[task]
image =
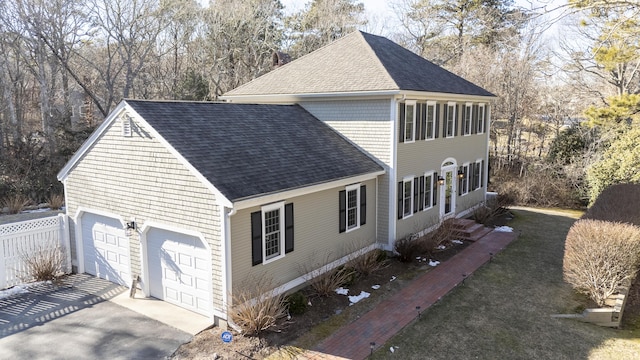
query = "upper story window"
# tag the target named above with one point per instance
(450, 121)
(409, 121)
(430, 120)
(407, 117)
(466, 125)
(481, 119)
(353, 205)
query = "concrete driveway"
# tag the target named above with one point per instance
(74, 320)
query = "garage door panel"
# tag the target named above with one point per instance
(106, 248)
(179, 270)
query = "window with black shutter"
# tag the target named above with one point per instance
(272, 232)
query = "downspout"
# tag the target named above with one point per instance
(226, 268)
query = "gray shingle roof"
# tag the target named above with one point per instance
(359, 62)
(247, 150)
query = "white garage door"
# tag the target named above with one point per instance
(179, 270)
(106, 248)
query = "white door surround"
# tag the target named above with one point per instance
(449, 189)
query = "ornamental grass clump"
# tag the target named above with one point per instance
(257, 306)
(600, 256)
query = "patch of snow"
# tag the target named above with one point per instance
(36, 211)
(18, 289)
(342, 291)
(375, 287)
(392, 349)
(392, 278)
(418, 258)
(459, 242)
(355, 298)
(503, 229)
(434, 263)
(424, 259)
(441, 247)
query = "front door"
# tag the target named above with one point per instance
(448, 191)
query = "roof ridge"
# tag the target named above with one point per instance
(377, 58)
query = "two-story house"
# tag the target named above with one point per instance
(346, 149)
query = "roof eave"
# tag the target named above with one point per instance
(293, 98)
(261, 199)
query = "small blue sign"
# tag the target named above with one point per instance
(226, 337)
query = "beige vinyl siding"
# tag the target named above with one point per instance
(137, 177)
(383, 209)
(316, 237)
(416, 158)
(365, 122)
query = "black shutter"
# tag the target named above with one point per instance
(363, 204)
(401, 121)
(435, 188)
(484, 174)
(343, 211)
(459, 114)
(418, 112)
(474, 173)
(423, 121)
(437, 129)
(474, 122)
(445, 122)
(421, 199)
(485, 117)
(256, 237)
(416, 192)
(288, 228)
(400, 200)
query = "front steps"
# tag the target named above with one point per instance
(469, 230)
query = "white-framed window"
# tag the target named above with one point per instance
(273, 231)
(405, 197)
(466, 125)
(409, 121)
(450, 121)
(464, 180)
(477, 174)
(431, 120)
(353, 207)
(428, 190)
(481, 119)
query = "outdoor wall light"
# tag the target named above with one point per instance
(131, 225)
(440, 180)
(460, 174)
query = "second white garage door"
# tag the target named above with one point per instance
(179, 270)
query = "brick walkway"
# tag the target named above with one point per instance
(390, 316)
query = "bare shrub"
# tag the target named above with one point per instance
(363, 260)
(407, 248)
(492, 208)
(600, 256)
(55, 201)
(369, 262)
(44, 262)
(443, 234)
(256, 305)
(323, 278)
(15, 203)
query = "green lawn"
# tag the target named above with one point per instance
(504, 310)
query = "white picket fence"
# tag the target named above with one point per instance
(22, 239)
